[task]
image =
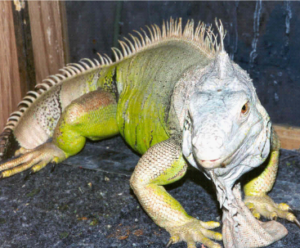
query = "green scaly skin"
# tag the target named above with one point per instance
(146, 82)
(92, 116)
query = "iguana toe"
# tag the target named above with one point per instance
(174, 239)
(36, 159)
(21, 151)
(284, 207)
(194, 232)
(265, 206)
(297, 222)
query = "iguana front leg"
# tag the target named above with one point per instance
(256, 190)
(92, 116)
(163, 164)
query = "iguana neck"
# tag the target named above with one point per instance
(146, 83)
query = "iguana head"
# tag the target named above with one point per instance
(226, 130)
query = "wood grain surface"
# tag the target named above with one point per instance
(10, 90)
(47, 37)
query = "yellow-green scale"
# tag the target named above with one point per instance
(145, 82)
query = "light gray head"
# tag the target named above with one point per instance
(226, 129)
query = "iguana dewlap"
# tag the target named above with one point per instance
(176, 98)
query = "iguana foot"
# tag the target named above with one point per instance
(22, 151)
(195, 231)
(36, 159)
(265, 206)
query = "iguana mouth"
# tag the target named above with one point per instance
(213, 160)
(211, 164)
(217, 163)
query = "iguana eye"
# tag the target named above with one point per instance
(245, 109)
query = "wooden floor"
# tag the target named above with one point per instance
(289, 136)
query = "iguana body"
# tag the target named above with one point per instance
(151, 96)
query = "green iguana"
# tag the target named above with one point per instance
(176, 98)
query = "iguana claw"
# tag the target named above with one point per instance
(297, 222)
(53, 167)
(35, 159)
(169, 244)
(173, 240)
(194, 232)
(265, 206)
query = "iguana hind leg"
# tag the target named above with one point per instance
(91, 116)
(256, 190)
(163, 164)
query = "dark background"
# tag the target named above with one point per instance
(263, 38)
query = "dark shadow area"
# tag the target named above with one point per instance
(81, 204)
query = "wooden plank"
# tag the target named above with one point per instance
(289, 136)
(47, 37)
(24, 46)
(10, 90)
(64, 28)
